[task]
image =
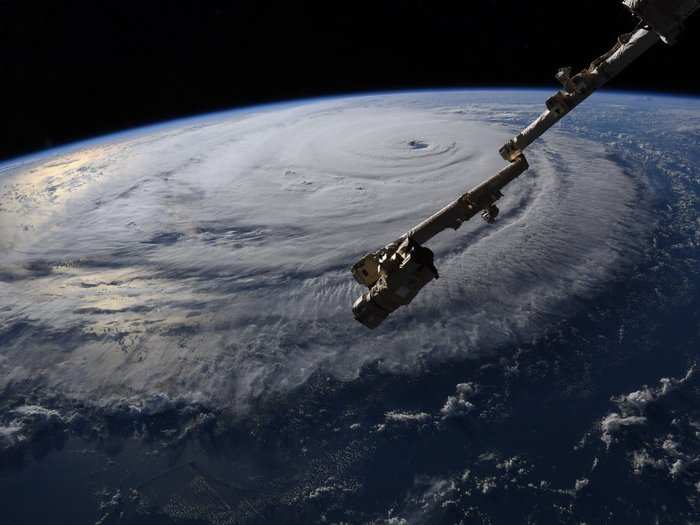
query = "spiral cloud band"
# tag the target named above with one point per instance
(209, 259)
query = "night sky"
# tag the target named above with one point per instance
(76, 68)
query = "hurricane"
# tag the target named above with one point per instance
(209, 259)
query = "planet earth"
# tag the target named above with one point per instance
(177, 343)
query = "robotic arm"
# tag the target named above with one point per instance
(396, 273)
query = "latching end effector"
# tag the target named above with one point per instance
(664, 17)
(394, 280)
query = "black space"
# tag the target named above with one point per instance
(74, 69)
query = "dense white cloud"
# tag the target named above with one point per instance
(581, 484)
(632, 407)
(612, 423)
(459, 404)
(660, 446)
(25, 422)
(11, 435)
(210, 259)
(639, 400)
(407, 417)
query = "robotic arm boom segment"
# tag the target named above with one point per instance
(396, 273)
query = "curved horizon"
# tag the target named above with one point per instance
(67, 146)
